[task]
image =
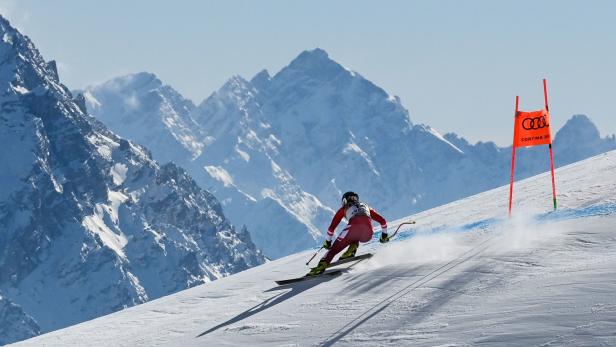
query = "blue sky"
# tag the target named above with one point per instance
(457, 65)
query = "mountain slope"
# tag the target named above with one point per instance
(90, 223)
(274, 196)
(464, 275)
(243, 157)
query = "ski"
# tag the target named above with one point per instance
(330, 273)
(327, 272)
(358, 257)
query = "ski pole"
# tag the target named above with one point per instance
(398, 228)
(315, 254)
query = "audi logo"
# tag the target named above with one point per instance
(535, 123)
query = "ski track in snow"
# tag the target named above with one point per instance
(464, 275)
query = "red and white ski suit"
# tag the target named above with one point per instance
(358, 229)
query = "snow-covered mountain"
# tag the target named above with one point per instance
(464, 275)
(139, 106)
(242, 167)
(281, 150)
(281, 217)
(90, 224)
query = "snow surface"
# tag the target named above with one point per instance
(464, 275)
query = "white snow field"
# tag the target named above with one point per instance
(464, 275)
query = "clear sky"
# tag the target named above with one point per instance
(457, 65)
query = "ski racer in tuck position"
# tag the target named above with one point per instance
(359, 229)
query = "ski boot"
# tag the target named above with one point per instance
(350, 252)
(319, 269)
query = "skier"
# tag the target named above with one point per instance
(358, 229)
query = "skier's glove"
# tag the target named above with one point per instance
(384, 238)
(327, 244)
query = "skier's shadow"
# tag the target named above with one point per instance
(367, 282)
(295, 289)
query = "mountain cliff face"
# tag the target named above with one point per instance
(281, 150)
(90, 223)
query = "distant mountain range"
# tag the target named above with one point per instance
(279, 151)
(89, 222)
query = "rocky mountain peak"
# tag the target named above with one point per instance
(579, 128)
(314, 64)
(236, 85)
(312, 57)
(23, 66)
(138, 81)
(261, 80)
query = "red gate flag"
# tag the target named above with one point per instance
(532, 129)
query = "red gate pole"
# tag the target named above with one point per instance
(517, 98)
(545, 95)
(553, 181)
(511, 182)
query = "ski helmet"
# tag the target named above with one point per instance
(349, 197)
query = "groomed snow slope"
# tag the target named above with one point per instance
(465, 275)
